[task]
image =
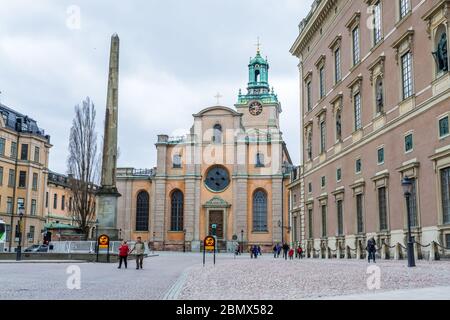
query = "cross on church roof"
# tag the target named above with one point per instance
(258, 45)
(218, 96)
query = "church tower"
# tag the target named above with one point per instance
(260, 105)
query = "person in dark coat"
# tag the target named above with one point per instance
(275, 251)
(371, 249)
(285, 251)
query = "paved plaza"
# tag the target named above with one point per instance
(182, 276)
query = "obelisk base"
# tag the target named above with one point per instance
(107, 214)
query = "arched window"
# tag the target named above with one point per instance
(176, 223)
(257, 75)
(142, 211)
(217, 138)
(260, 211)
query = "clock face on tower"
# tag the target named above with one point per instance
(255, 108)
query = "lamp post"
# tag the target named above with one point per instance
(407, 189)
(184, 240)
(242, 241)
(96, 235)
(19, 247)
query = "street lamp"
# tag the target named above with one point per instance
(19, 247)
(96, 235)
(242, 241)
(407, 189)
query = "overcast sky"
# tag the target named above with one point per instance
(175, 56)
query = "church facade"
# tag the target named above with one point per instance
(227, 178)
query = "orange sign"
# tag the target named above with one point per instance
(103, 242)
(210, 243)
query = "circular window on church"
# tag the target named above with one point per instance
(217, 179)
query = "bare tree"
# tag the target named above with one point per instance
(83, 165)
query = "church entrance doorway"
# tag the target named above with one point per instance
(216, 218)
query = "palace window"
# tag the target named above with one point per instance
(33, 207)
(24, 152)
(380, 156)
(337, 65)
(407, 83)
(405, 8)
(35, 181)
(11, 178)
(1, 176)
(338, 174)
(359, 214)
(323, 137)
(36, 154)
(217, 137)
(413, 204)
(382, 208)
(13, 149)
(46, 199)
(310, 223)
(409, 142)
(358, 166)
(142, 211)
(309, 95)
(357, 106)
(445, 187)
(324, 222)
(22, 179)
(322, 82)
(31, 234)
(310, 187)
(9, 205)
(443, 127)
(260, 211)
(2, 146)
(356, 48)
(63, 203)
(177, 161)
(323, 182)
(377, 33)
(340, 217)
(176, 223)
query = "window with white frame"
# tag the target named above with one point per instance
(409, 142)
(359, 214)
(337, 65)
(382, 208)
(358, 113)
(405, 8)
(340, 217)
(309, 96)
(324, 221)
(356, 47)
(444, 127)
(322, 82)
(323, 137)
(445, 190)
(377, 33)
(407, 81)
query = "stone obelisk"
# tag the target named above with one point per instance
(108, 195)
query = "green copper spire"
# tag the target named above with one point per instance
(258, 83)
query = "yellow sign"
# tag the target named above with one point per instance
(210, 243)
(103, 242)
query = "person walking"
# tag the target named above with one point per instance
(371, 249)
(275, 251)
(259, 250)
(279, 250)
(139, 248)
(291, 254)
(285, 250)
(299, 252)
(123, 254)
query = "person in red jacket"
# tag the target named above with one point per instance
(123, 254)
(291, 254)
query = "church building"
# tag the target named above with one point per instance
(227, 178)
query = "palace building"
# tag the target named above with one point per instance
(227, 177)
(375, 89)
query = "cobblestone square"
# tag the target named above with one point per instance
(181, 276)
